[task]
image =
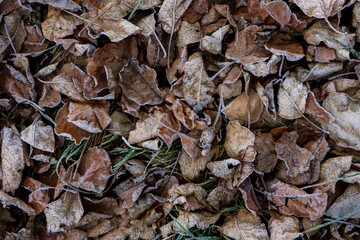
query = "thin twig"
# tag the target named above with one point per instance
(134, 10)
(221, 70)
(172, 33)
(10, 40)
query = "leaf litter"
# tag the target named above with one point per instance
(179, 119)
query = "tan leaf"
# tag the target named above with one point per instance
(334, 168)
(93, 118)
(291, 200)
(346, 203)
(118, 30)
(40, 136)
(281, 12)
(320, 54)
(139, 83)
(59, 24)
(262, 69)
(348, 86)
(198, 88)
(188, 220)
(266, 158)
(171, 12)
(244, 225)
(283, 45)
(321, 8)
(292, 92)
(222, 195)
(320, 31)
(34, 44)
(49, 97)
(191, 196)
(146, 128)
(244, 49)
(238, 138)
(351, 176)
(93, 170)
(66, 211)
(239, 108)
(223, 169)
(12, 158)
(345, 129)
(213, 43)
(7, 200)
(297, 159)
(144, 24)
(120, 124)
(284, 228)
(68, 129)
(188, 34)
(184, 114)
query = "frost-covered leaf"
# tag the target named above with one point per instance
(345, 129)
(7, 200)
(213, 43)
(346, 203)
(284, 228)
(61, 4)
(244, 225)
(333, 168)
(171, 12)
(321, 8)
(40, 136)
(120, 124)
(12, 158)
(238, 138)
(283, 45)
(223, 169)
(66, 211)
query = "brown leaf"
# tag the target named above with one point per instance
(248, 193)
(225, 168)
(184, 114)
(68, 129)
(282, 44)
(171, 12)
(59, 24)
(39, 136)
(244, 225)
(49, 97)
(297, 159)
(346, 203)
(345, 129)
(221, 196)
(292, 92)
(314, 109)
(93, 170)
(12, 158)
(291, 200)
(66, 211)
(93, 118)
(262, 69)
(7, 200)
(239, 108)
(188, 34)
(213, 43)
(244, 50)
(266, 158)
(139, 84)
(61, 4)
(333, 168)
(281, 12)
(120, 124)
(238, 138)
(321, 8)
(320, 54)
(198, 88)
(191, 196)
(34, 44)
(284, 227)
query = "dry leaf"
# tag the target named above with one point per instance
(93, 170)
(284, 228)
(238, 138)
(284, 45)
(244, 225)
(40, 136)
(191, 196)
(12, 158)
(320, 31)
(66, 211)
(291, 200)
(222, 195)
(213, 43)
(68, 129)
(139, 83)
(59, 24)
(334, 168)
(239, 108)
(292, 98)
(120, 124)
(320, 54)
(223, 169)
(7, 200)
(244, 49)
(184, 114)
(93, 118)
(314, 109)
(144, 24)
(346, 203)
(321, 8)
(49, 97)
(266, 158)
(296, 158)
(198, 88)
(171, 12)
(34, 44)
(345, 129)
(146, 128)
(250, 199)
(262, 69)
(281, 12)
(188, 34)
(188, 220)
(61, 4)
